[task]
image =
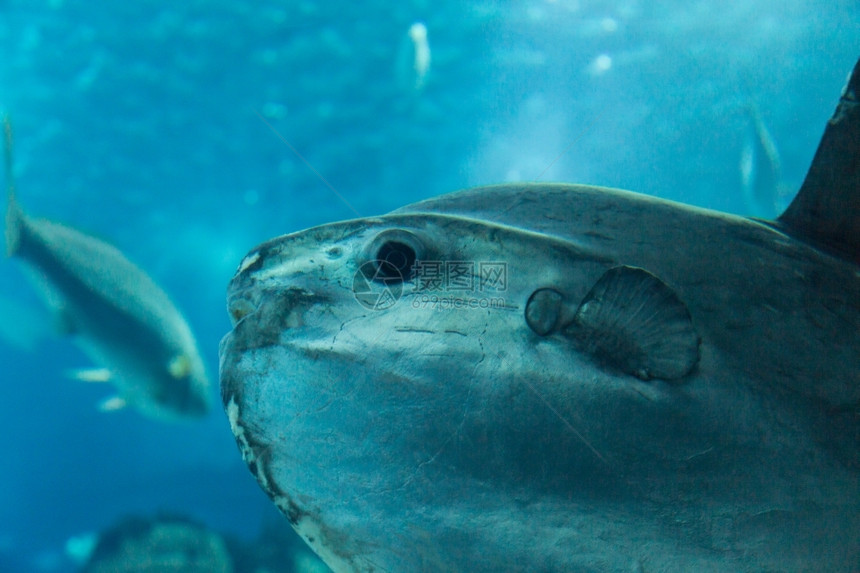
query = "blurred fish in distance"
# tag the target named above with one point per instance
(117, 314)
(413, 59)
(178, 544)
(421, 47)
(150, 545)
(766, 193)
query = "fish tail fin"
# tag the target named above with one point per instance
(14, 215)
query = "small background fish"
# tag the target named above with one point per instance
(114, 310)
(765, 190)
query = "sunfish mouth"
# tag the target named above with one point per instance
(267, 313)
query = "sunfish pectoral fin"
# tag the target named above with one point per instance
(636, 323)
(826, 210)
(112, 404)
(90, 375)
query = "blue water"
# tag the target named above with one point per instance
(143, 123)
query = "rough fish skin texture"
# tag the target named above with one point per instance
(538, 423)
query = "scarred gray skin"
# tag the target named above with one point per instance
(414, 439)
(421, 438)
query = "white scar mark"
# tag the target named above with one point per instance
(248, 261)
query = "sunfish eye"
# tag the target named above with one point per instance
(394, 253)
(395, 259)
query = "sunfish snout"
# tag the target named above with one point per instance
(259, 275)
(261, 316)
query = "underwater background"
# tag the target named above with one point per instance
(185, 133)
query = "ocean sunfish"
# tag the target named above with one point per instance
(124, 321)
(552, 377)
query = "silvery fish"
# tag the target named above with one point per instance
(120, 317)
(765, 190)
(549, 377)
